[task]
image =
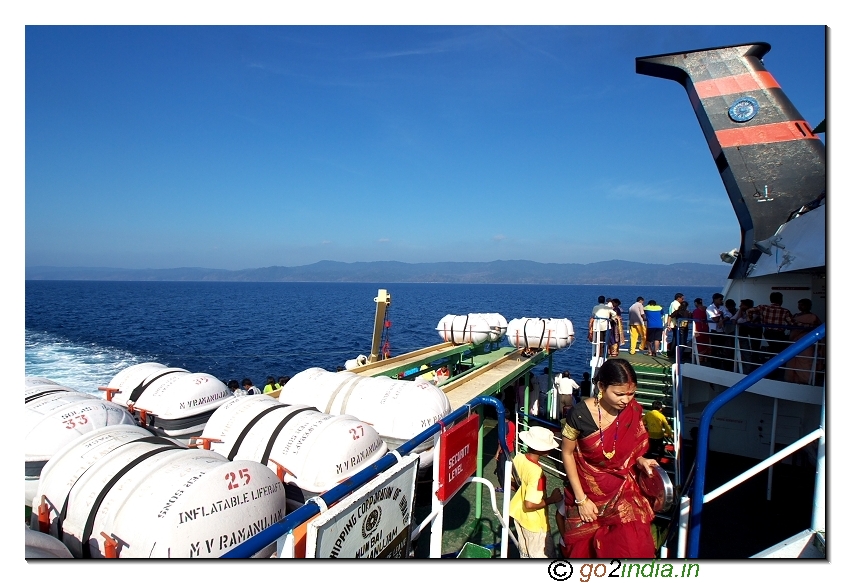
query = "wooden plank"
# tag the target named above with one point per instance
(407, 360)
(489, 377)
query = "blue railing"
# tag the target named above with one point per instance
(310, 508)
(702, 436)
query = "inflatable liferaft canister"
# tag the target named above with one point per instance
(35, 387)
(540, 333)
(176, 403)
(469, 329)
(353, 363)
(132, 496)
(130, 383)
(57, 418)
(398, 410)
(498, 325)
(313, 450)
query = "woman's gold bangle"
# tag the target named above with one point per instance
(580, 502)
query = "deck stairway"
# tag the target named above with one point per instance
(655, 383)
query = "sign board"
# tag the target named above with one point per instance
(372, 522)
(458, 456)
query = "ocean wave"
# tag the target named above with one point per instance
(83, 367)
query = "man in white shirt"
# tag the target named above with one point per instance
(672, 321)
(601, 317)
(533, 395)
(567, 390)
(637, 325)
(717, 315)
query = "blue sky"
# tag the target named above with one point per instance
(241, 147)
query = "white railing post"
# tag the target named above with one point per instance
(814, 367)
(506, 505)
(772, 445)
(677, 429)
(819, 505)
(436, 550)
(684, 517)
(738, 365)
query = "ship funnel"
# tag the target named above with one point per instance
(768, 158)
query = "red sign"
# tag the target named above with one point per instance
(458, 456)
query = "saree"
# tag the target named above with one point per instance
(622, 529)
(800, 369)
(700, 319)
(615, 334)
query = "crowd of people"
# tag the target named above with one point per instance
(762, 331)
(248, 387)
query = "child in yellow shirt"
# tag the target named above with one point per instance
(657, 427)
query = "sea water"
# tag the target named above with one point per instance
(82, 333)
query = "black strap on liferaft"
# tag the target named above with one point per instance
(278, 429)
(247, 429)
(105, 490)
(44, 394)
(64, 512)
(137, 392)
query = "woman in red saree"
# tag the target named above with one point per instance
(800, 367)
(700, 318)
(602, 450)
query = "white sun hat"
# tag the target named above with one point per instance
(538, 438)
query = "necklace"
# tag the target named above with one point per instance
(608, 454)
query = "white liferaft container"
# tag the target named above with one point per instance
(35, 387)
(174, 402)
(135, 380)
(56, 419)
(63, 470)
(398, 410)
(498, 325)
(353, 363)
(540, 333)
(471, 328)
(316, 450)
(154, 498)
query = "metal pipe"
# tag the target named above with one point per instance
(506, 503)
(436, 542)
(772, 445)
(819, 507)
(766, 463)
(678, 420)
(684, 515)
(383, 302)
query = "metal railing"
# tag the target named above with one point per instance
(313, 507)
(743, 353)
(692, 508)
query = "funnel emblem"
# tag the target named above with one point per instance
(744, 109)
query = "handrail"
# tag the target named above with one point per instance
(311, 508)
(713, 406)
(762, 465)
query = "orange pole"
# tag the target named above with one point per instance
(110, 546)
(43, 516)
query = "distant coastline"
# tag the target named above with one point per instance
(494, 272)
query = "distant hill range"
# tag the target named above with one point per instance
(529, 272)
